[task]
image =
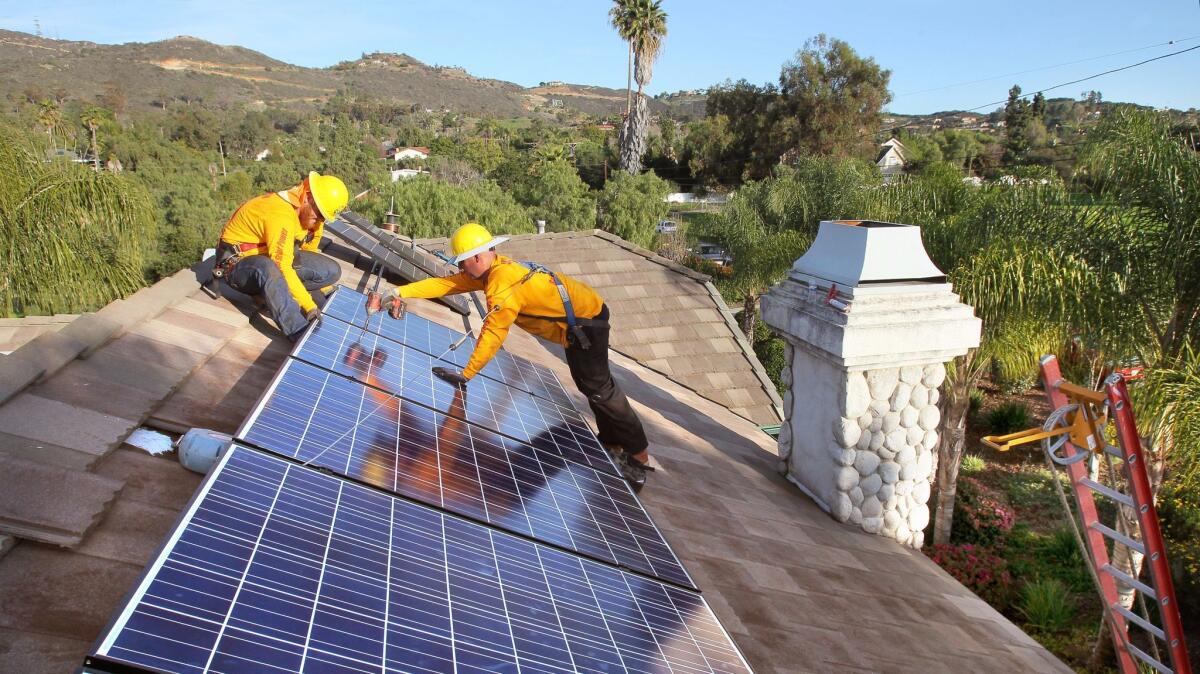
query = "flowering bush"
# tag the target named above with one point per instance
(977, 567)
(980, 514)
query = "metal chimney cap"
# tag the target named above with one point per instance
(853, 253)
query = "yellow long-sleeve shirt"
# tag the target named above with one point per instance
(271, 221)
(520, 301)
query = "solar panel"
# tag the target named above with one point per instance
(354, 430)
(398, 369)
(424, 335)
(278, 568)
(413, 265)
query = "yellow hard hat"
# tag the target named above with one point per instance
(472, 239)
(330, 194)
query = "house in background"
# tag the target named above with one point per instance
(401, 153)
(891, 159)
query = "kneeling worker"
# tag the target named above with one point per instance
(552, 306)
(257, 253)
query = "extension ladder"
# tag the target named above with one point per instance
(1088, 410)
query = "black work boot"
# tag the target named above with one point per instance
(634, 471)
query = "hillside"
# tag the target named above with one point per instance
(188, 69)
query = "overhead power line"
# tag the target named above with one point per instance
(1059, 65)
(1085, 79)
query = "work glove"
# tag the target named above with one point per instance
(395, 307)
(450, 375)
(312, 314)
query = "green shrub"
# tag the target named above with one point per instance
(768, 346)
(1179, 509)
(972, 464)
(1046, 605)
(1009, 417)
(1052, 557)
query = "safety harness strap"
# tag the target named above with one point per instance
(574, 325)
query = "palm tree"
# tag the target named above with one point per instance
(91, 117)
(49, 117)
(60, 221)
(643, 24)
(622, 20)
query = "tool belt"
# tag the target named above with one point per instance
(228, 255)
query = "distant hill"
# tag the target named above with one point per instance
(154, 74)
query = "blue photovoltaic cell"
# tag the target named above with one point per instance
(398, 369)
(278, 568)
(331, 422)
(435, 340)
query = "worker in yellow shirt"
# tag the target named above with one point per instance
(258, 255)
(549, 305)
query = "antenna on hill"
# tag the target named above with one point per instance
(37, 28)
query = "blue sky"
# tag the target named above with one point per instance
(932, 48)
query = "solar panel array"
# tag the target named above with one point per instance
(369, 519)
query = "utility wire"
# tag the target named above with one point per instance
(1034, 70)
(1085, 79)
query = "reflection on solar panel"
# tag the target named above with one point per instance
(395, 368)
(357, 431)
(434, 339)
(278, 568)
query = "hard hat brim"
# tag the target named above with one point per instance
(496, 241)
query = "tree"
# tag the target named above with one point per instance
(631, 205)
(114, 97)
(61, 223)
(643, 24)
(426, 207)
(768, 224)
(736, 140)
(621, 18)
(830, 100)
(553, 192)
(49, 117)
(92, 117)
(1017, 119)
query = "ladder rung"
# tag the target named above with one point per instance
(1140, 622)
(1149, 660)
(1107, 491)
(1129, 581)
(1119, 537)
(1114, 450)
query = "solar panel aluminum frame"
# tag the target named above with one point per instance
(100, 660)
(671, 568)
